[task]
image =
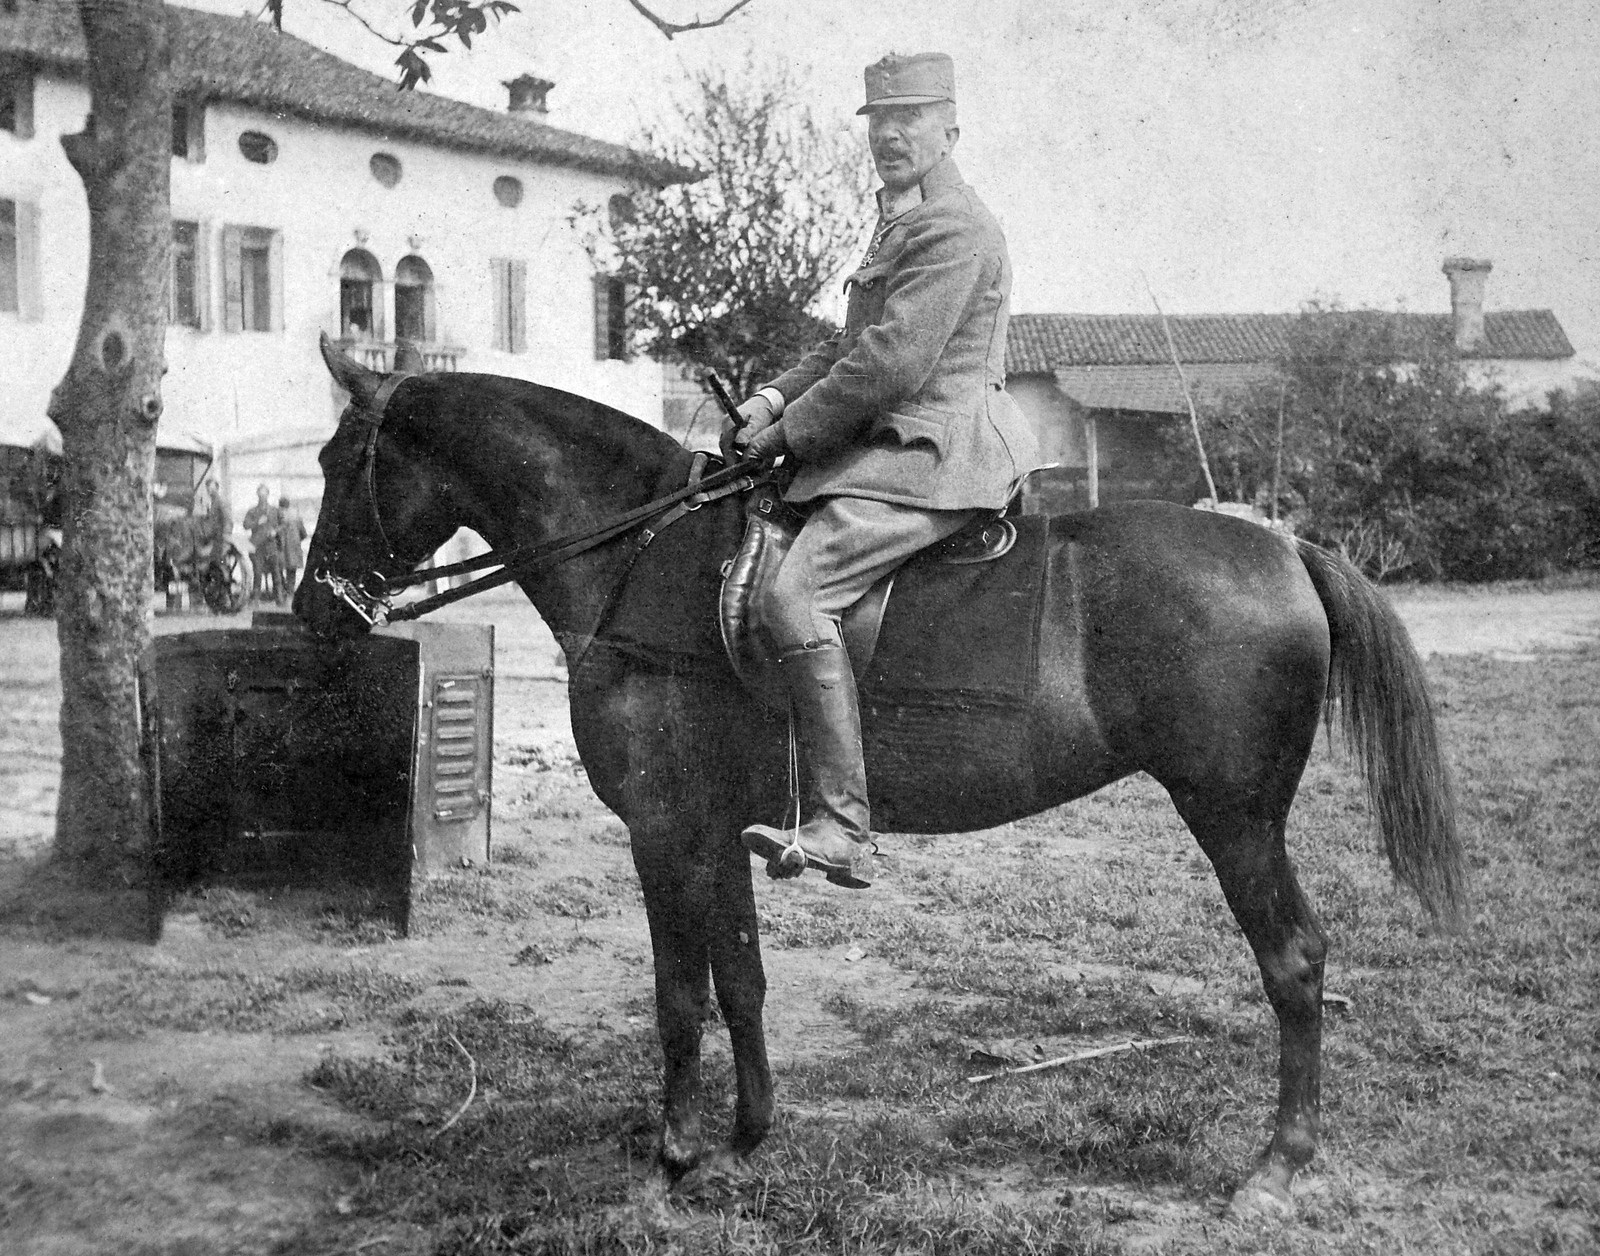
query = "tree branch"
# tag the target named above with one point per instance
(669, 29)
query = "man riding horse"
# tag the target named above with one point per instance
(902, 433)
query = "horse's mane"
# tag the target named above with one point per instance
(567, 417)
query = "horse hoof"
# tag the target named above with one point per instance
(1257, 1201)
(678, 1156)
(720, 1167)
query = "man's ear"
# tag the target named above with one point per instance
(951, 135)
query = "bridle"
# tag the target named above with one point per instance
(367, 596)
(370, 596)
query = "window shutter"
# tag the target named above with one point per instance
(519, 307)
(602, 317)
(501, 286)
(630, 294)
(232, 279)
(202, 274)
(197, 130)
(30, 303)
(275, 269)
(19, 82)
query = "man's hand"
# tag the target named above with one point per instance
(758, 415)
(766, 444)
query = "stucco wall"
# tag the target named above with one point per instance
(243, 387)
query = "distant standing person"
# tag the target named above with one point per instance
(261, 521)
(291, 546)
(211, 508)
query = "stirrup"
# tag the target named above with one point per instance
(792, 859)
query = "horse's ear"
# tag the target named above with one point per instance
(407, 358)
(349, 374)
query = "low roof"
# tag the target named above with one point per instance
(239, 59)
(1155, 389)
(1040, 344)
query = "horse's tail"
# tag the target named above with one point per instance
(1389, 725)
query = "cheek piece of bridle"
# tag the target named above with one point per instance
(370, 595)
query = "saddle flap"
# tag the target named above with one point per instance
(770, 530)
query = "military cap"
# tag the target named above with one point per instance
(918, 79)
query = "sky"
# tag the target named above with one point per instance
(1224, 155)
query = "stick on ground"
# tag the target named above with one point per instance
(1134, 1044)
(471, 1091)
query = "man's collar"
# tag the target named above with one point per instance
(941, 178)
(892, 204)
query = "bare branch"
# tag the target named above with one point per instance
(669, 29)
(350, 8)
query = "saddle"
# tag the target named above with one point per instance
(951, 628)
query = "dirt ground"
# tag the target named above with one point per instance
(119, 1142)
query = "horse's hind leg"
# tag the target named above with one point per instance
(1246, 848)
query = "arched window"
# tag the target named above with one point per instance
(359, 277)
(413, 300)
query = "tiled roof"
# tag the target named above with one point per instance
(1155, 389)
(249, 62)
(1044, 343)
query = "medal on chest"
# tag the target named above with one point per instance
(877, 242)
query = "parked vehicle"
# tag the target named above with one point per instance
(196, 554)
(30, 519)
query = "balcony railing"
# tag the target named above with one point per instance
(378, 355)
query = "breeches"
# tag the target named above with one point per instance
(845, 547)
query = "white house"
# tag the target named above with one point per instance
(310, 196)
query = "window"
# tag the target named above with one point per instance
(252, 278)
(413, 301)
(19, 259)
(508, 191)
(189, 130)
(510, 305)
(359, 280)
(190, 286)
(610, 318)
(16, 100)
(385, 168)
(621, 211)
(259, 148)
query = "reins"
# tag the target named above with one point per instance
(652, 518)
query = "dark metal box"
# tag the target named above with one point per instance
(276, 760)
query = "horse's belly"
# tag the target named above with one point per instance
(947, 768)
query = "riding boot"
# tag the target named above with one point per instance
(827, 723)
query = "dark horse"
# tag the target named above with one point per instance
(1195, 647)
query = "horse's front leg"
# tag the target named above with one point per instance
(741, 980)
(677, 894)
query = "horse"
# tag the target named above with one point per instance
(1199, 648)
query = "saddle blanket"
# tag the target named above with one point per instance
(964, 631)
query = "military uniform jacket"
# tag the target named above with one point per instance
(907, 404)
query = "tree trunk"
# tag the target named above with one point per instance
(107, 407)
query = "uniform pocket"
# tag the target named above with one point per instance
(909, 423)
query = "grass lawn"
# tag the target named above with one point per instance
(1460, 1070)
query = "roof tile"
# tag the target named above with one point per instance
(215, 57)
(1042, 343)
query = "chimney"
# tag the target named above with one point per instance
(528, 94)
(1467, 277)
